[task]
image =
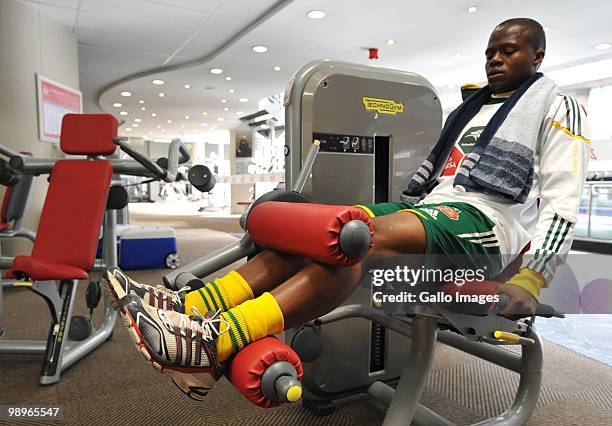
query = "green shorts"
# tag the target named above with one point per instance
(454, 231)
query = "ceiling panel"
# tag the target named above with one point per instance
(71, 4)
(152, 20)
(197, 5)
(156, 30)
(242, 9)
(63, 15)
(218, 31)
(125, 47)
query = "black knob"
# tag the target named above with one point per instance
(201, 178)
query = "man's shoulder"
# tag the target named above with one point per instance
(566, 105)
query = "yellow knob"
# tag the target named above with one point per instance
(294, 393)
(508, 337)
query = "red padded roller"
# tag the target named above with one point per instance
(309, 230)
(248, 366)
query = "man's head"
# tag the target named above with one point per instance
(514, 53)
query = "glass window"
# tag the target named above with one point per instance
(601, 212)
(600, 112)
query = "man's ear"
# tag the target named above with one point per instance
(538, 58)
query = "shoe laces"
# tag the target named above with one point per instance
(210, 324)
(176, 294)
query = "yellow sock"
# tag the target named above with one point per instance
(220, 294)
(251, 320)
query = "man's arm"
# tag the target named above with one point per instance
(562, 173)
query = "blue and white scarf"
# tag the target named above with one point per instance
(501, 163)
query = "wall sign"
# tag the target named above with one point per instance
(54, 101)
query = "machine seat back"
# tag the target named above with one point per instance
(70, 220)
(67, 235)
(72, 214)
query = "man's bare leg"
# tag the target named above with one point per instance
(269, 269)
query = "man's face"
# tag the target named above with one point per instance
(510, 58)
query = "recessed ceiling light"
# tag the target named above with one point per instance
(126, 94)
(223, 101)
(204, 113)
(390, 42)
(472, 9)
(138, 120)
(117, 105)
(129, 129)
(158, 126)
(316, 14)
(187, 86)
(135, 125)
(220, 119)
(204, 124)
(141, 101)
(169, 121)
(243, 100)
(226, 109)
(123, 113)
(150, 133)
(276, 68)
(216, 71)
(153, 114)
(186, 117)
(228, 78)
(603, 46)
(161, 94)
(231, 90)
(158, 82)
(259, 49)
(143, 108)
(239, 112)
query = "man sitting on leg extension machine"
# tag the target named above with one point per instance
(508, 169)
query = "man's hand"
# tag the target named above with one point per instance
(522, 303)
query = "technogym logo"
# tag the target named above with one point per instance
(383, 106)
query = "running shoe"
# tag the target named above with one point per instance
(118, 285)
(178, 345)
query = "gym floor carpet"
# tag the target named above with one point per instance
(114, 386)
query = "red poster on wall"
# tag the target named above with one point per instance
(54, 101)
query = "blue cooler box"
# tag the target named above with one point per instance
(147, 248)
(140, 247)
